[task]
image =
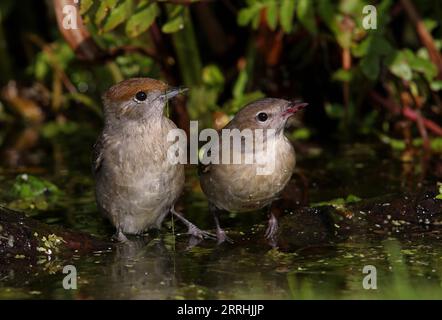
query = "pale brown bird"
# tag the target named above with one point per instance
(136, 185)
(238, 187)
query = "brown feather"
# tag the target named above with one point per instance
(128, 88)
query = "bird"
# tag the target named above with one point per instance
(135, 184)
(237, 187)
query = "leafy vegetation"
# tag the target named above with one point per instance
(29, 192)
(339, 202)
(230, 53)
(439, 196)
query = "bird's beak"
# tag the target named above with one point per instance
(293, 107)
(172, 92)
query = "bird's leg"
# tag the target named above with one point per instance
(193, 230)
(272, 228)
(119, 236)
(220, 233)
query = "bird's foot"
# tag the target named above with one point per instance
(119, 237)
(221, 236)
(193, 230)
(196, 232)
(272, 230)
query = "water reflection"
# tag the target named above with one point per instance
(314, 262)
(138, 269)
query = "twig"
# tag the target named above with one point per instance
(79, 39)
(346, 65)
(423, 34)
(347, 25)
(422, 130)
(430, 125)
(54, 62)
(407, 112)
(87, 49)
(393, 107)
(84, 46)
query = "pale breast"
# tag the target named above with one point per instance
(137, 183)
(241, 188)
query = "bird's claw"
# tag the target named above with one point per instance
(119, 237)
(271, 231)
(222, 237)
(196, 232)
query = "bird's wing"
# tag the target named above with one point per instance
(97, 154)
(203, 168)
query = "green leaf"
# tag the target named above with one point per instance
(54, 129)
(306, 14)
(384, 16)
(240, 84)
(85, 5)
(141, 20)
(41, 66)
(255, 21)
(176, 20)
(286, 14)
(326, 11)
(27, 186)
(339, 202)
(301, 134)
(436, 85)
(173, 25)
(246, 15)
(342, 75)
(423, 53)
(395, 144)
(118, 16)
(350, 7)
(238, 102)
(334, 111)
(272, 14)
(424, 66)
(382, 46)
(376, 45)
(436, 146)
(344, 39)
(406, 61)
(105, 7)
(371, 50)
(370, 66)
(430, 24)
(351, 198)
(400, 67)
(212, 76)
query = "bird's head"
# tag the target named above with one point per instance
(137, 99)
(267, 113)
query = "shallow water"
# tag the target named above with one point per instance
(162, 266)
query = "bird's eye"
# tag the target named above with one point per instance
(262, 116)
(141, 96)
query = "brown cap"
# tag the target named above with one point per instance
(127, 89)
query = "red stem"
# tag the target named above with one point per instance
(407, 112)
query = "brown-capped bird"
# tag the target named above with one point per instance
(136, 185)
(238, 187)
